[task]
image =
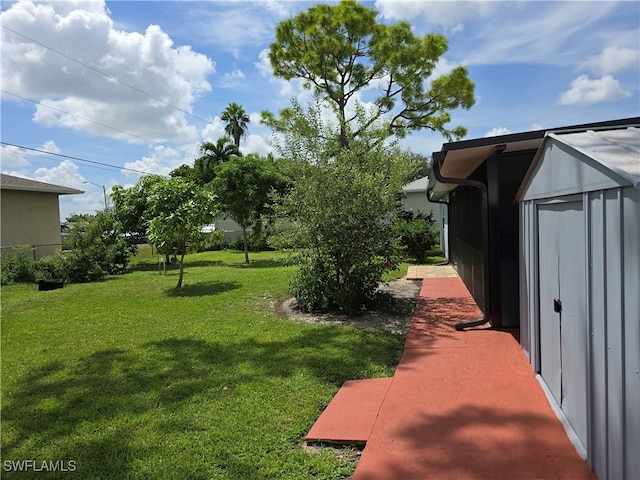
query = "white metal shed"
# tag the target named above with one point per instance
(580, 289)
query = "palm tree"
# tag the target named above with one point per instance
(213, 154)
(237, 120)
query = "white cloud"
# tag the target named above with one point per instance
(443, 13)
(497, 131)
(12, 157)
(213, 131)
(232, 79)
(586, 91)
(554, 33)
(66, 174)
(235, 26)
(256, 144)
(277, 8)
(161, 161)
(263, 65)
(50, 146)
(84, 32)
(613, 60)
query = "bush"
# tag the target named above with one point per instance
(417, 234)
(49, 268)
(97, 249)
(81, 266)
(211, 241)
(18, 266)
(319, 285)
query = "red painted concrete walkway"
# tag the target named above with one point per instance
(463, 405)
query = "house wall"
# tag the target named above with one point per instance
(466, 244)
(489, 267)
(31, 218)
(417, 201)
(611, 321)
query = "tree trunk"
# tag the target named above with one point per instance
(179, 285)
(246, 245)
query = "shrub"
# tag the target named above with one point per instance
(210, 241)
(81, 266)
(417, 234)
(49, 268)
(18, 266)
(97, 249)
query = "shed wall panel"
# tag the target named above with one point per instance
(598, 321)
(615, 377)
(631, 253)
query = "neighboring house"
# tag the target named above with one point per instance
(580, 288)
(563, 265)
(30, 214)
(414, 199)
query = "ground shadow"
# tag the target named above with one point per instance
(483, 442)
(92, 409)
(154, 267)
(202, 289)
(266, 263)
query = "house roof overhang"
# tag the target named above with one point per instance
(460, 159)
(9, 182)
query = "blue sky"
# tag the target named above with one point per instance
(535, 65)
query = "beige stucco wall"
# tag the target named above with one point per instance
(31, 218)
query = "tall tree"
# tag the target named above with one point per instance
(340, 207)
(213, 155)
(131, 205)
(237, 120)
(179, 209)
(340, 50)
(242, 187)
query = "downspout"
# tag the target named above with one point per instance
(437, 165)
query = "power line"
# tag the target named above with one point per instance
(96, 123)
(108, 76)
(75, 158)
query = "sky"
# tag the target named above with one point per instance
(111, 90)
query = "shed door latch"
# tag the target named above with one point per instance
(557, 305)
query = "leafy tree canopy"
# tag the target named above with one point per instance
(131, 205)
(243, 185)
(341, 51)
(178, 209)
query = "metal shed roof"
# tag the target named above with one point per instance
(9, 182)
(575, 162)
(618, 150)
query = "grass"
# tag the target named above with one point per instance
(130, 378)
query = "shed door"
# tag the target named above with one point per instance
(563, 320)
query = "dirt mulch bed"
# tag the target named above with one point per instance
(395, 316)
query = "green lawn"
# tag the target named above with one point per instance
(129, 378)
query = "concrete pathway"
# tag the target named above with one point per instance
(418, 272)
(461, 405)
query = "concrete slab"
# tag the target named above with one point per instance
(349, 418)
(419, 272)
